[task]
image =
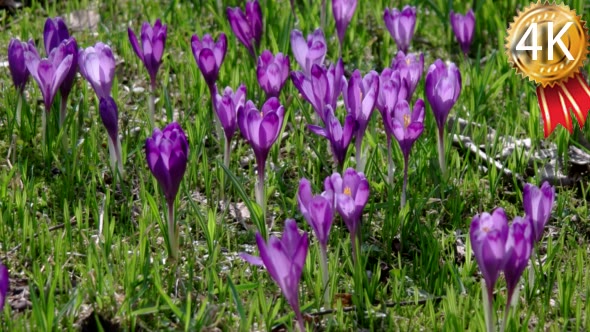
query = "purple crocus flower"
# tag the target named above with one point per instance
(109, 114)
(538, 203)
(406, 127)
(153, 41)
(247, 26)
(226, 107)
(463, 27)
(54, 32)
(4, 285)
(49, 72)
(272, 72)
(317, 211)
(350, 194)
(488, 234)
(338, 135)
(410, 69)
(261, 129)
(167, 156)
(17, 63)
(323, 86)
(391, 89)
(209, 56)
(401, 25)
(343, 11)
(360, 96)
(284, 260)
(310, 52)
(443, 86)
(97, 66)
(519, 245)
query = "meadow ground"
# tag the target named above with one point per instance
(85, 250)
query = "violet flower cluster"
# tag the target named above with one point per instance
(499, 247)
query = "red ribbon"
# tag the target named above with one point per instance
(556, 101)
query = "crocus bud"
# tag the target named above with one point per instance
(261, 128)
(17, 63)
(247, 26)
(407, 125)
(538, 203)
(4, 285)
(272, 72)
(519, 246)
(317, 210)
(443, 86)
(310, 52)
(109, 114)
(284, 260)
(227, 106)
(343, 11)
(209, 56)
(70, 48)
(463, 27)
(54, 32)
(410, 69)
(338, 135)
(167, 156)
(50, 72)
(488, 234)
(97, 66)
(401, 25)
(153, 41)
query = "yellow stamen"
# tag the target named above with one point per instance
(408, 61)
(406, 120)
(261, 114)
(486, 229)
(347, 191)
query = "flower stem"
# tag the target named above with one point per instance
(488, 305)
(405, 185)
(358, 155)
(44, 126)
(227, 152)
(391, 168)
(506, 310)
(19, 106)
(259, 193)
(441, 151)
(172, 233)
(152, 109)
(63, 105)
(323, 15)
(325, 275)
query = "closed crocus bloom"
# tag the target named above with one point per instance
(391, 89)
(209, 56)
(401, 25)
(284, 260)
(350, 193)
(322, 88)
(54, 32)
(97, 66)
(247, 26)
(338, 135)
(538, 203)
(261, 128)
(49, 72)
(343, 11)
(226, 107)
(17, 63)
(407, 125)
(410, 69)
(317, 211)
(272, 72)
(443, 86)
(488, 234)
(463, 27)
(167, 155)
(70, 48)
(4, 285)
(109, 114)
(153, 41)
(310, 52)
(519, 246)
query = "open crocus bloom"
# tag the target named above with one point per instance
(401, 25)
(407, 125)
(310, 52)
(209, 56)
(153, 41)
(97, 65)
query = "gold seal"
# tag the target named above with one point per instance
(547, 43)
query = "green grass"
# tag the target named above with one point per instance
(86, 250)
